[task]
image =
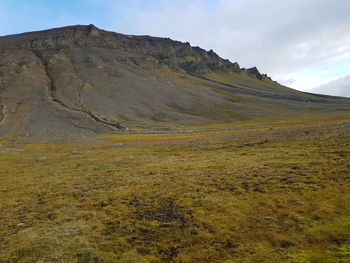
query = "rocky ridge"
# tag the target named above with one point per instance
(175, 54)
(81, 81)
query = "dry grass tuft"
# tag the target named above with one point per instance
(245, 195)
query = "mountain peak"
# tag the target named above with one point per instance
(175, 54)
(91, 26)
(81, 80)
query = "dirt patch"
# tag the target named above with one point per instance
(2, 113)
(165, 210)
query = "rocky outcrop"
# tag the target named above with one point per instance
(174, 54)
(81, 81)
(254, 72)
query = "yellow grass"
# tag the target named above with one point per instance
(190, 58)
(245, 195)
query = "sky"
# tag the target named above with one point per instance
(303, 44)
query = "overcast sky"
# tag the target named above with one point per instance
(304, 44)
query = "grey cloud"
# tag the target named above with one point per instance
(287, 39)
(338, 87)
(279, 37)
(287, 81)
(272, 33)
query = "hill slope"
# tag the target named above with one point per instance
(81, 81)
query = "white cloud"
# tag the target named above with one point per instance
(285, 39)
(303, 44)
(337, 87)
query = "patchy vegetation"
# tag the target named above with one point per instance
(267, 194)
(80, 81)
(190, 58)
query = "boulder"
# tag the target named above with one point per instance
(42, 158)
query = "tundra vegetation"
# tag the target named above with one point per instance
(265, 192)
(119, 148)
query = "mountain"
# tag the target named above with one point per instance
(80, 81)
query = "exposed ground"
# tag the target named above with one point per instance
(263, 192)
(200, 161)
(81, 81)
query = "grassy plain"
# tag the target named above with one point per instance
(277, 193)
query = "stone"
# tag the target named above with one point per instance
(42, 158)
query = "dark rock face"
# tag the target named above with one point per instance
(142, 47)
(254, 71)
(81, 81)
